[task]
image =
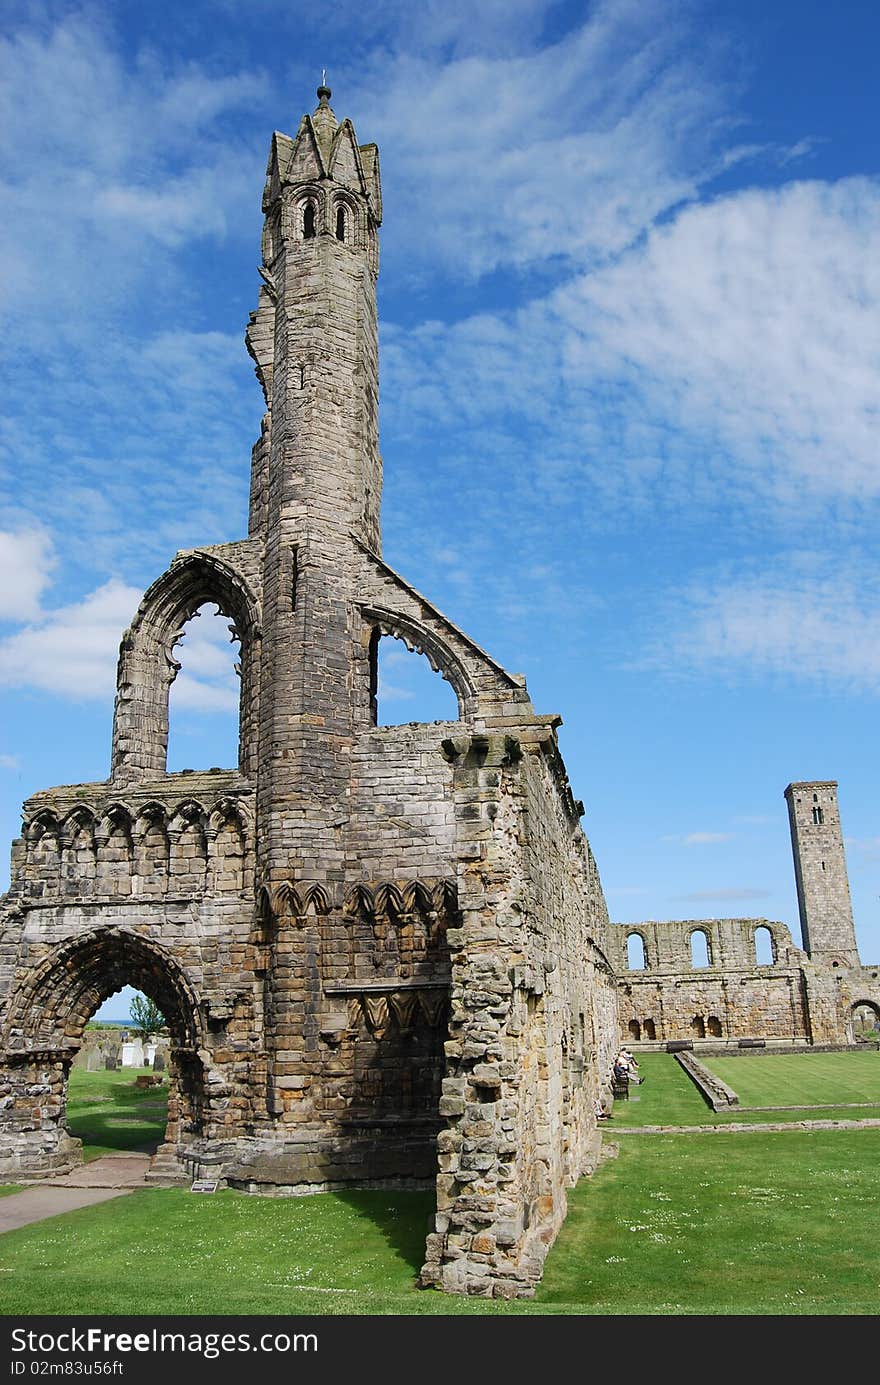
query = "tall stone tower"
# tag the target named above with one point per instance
(824, 901)
(377, 949)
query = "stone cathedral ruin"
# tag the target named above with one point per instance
(383, 953)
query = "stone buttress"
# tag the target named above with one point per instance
(379, 950)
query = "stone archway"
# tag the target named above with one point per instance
(43, 1032)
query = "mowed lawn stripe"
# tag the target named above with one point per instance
(108, 1111)
(796, 1079)
(669, 1097)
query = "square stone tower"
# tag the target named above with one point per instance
(378, 950)
(824, 903)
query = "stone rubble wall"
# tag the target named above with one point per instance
(524, 1045)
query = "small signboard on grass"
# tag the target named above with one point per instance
(203, 1185)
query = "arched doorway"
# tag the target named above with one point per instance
(44, 1031)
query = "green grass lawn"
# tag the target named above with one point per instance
(782, 1224)
(669, 1097)
(777, 1223)
(801, 1079)
(108, 1112)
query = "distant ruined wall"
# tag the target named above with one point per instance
(794, 999)
(732, 998)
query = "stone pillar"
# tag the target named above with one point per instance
(33, 1103)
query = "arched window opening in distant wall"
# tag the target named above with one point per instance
(700, 954)
(635, 952)
(818, 815)
(713, 1024)
(635, 1030)
(649, 1030)
(698, 1027)
(764, 947)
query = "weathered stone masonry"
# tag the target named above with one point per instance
(381, 951)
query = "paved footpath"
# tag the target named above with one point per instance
(111, 1176)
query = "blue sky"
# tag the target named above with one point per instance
(630, 371)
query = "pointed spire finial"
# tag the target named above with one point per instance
(324, 92)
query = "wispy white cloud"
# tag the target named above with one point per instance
(207, 681)
(868, 848)
(752, 321)
(561, 151)
(72, 651)
(821, 624)
(163, 436)
(699, 838)
(10, 762)
(700, 896)
(135, 152)
(26, 563)
(392, 692)
(732, 358)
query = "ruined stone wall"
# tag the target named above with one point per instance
(730, 999)
(794, 999)
(531, 1006)
(402, 819)
(380, 952)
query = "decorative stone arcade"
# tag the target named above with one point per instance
(379, 949)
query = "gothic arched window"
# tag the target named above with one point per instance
(636, 959)
(341, 226)
(764, 947)
(309, 221)
(701, 955)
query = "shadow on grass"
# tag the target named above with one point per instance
(118, 1116)
(403, 1219)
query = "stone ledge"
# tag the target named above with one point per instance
(719, 1096)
